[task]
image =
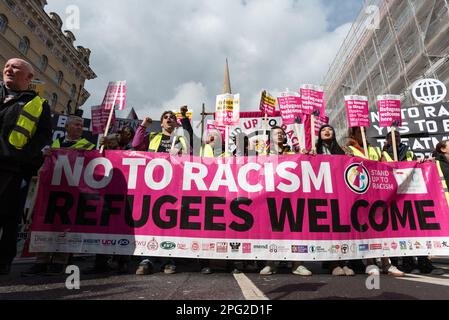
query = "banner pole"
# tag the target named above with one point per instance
(110, 117)
(202, 127)
(298, 134)
(365, 144)
(312, 130)
(227, 140)
(393, 140)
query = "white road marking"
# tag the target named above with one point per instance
(426, 279)
(249, 289)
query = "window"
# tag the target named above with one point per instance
(54, 100)
(73, 91)
(24, 44)
(49, 44)
(3, 23)
(59, 77)
(43, 63)
(32, 25)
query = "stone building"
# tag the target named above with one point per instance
(27, 31)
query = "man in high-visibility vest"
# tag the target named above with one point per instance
(74, 136)
(55, 263)
(403, 151)
(165, 141)
(25, 129)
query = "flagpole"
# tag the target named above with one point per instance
(110, 117)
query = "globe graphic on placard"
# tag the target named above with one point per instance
(429, 91)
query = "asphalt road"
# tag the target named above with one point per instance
(190, 285)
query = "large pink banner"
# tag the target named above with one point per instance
(291, 207)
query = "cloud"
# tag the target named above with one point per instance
(173, 52)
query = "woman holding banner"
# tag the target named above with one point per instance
(356, 145)
(327, 144)
(278, 146)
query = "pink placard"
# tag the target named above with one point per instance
(357, 111)
(389, 110)
(115, 90)
(100, 118)
(312, 99)
(290, 107)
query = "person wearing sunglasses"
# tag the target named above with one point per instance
(166, 141)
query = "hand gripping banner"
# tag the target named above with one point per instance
(293, 207)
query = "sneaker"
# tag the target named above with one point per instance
(372, 270)
(267, 271)
(437, 272)
(236, 271)
(425, 265)
(144, 269)
(35, 270)
(348, 271)
(5, 268)
(170, 269)
(206, 270)
(395, 272)
(338, 271)
(415, 271)
(302, 271)
(55, 269)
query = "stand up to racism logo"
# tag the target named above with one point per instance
(357, 178)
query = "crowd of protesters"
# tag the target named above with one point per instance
(25, 131)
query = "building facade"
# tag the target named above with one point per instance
(405, 41)
(27, 31)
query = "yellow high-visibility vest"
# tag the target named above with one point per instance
(26, 124)
(156, 139)
(409, 156)
(443, 181)
(207, 151)
(81, 144)
(373, 153)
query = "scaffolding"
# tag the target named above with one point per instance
(410, 43)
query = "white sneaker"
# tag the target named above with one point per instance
(267, 271)
(338, 271)
(395, 272)
(348, 271)
(302, 271)
(372, 270)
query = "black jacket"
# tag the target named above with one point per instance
(12, 159)
(444, 165)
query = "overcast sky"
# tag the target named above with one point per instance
(173, 52)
